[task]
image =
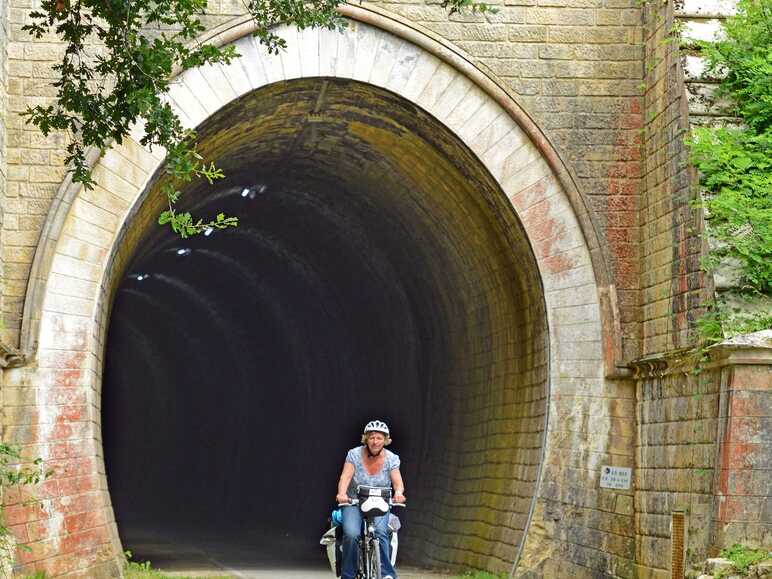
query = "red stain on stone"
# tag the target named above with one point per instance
(39, 530)
(37, 551)
(66, 360)
(48, 488)
(531, 195)
(544, 231)
(740, 482)
(68, 378)
(22, 513)
(734, 456)
(77, 484)
(61, 520)
(62, 396)
(82, 521)
(622, 200)
(83, 540)
(743, 455)
(20, 532)
(62, 565)
(62, 430)
(557, 264)
(723, 489)
(72, 413)
(732, 509)
(71, 467)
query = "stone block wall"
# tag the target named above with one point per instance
(697, 452)
(675, 456)
(3, 109)
(742, 510)
(673, 285)
(703, 450)
(576, 68)
(676, 410)
(701, 20)
(36, 163)
(602, 80)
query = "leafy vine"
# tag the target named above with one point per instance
(735, 164)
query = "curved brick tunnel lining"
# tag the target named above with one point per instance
(377, 272)
(90, 235)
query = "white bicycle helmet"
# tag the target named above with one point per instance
(377, 426)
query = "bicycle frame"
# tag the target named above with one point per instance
(373, 502)
(369, 553)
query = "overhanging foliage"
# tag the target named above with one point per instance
(736, 167)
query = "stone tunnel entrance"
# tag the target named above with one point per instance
(378, 272)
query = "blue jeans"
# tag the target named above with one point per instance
(352, 530)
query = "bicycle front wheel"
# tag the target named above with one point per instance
(374, 560)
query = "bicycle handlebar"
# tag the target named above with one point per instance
(354, 502)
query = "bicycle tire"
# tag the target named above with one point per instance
(375, 560)
(361, 570)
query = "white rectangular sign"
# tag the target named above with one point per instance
(615, 477)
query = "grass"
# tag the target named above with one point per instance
(134, 570)
(743, 558)
(482, 575)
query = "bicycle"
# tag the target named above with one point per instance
(372, 502)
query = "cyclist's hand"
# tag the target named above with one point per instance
(342, 499)
(400, 498)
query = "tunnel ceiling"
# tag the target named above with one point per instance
(378, 271)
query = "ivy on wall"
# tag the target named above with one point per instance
(13, 473)
(735, 163)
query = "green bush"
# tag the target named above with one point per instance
(736, 163)
(743, 557)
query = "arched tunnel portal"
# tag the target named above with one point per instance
(378, 271)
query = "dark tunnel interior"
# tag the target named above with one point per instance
(372, 275)
(250, 360)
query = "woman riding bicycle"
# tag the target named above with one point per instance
(370, 465)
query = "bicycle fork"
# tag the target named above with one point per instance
(369, 544)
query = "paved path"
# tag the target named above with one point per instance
(284, 573)
(249, 558)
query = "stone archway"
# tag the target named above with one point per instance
(91, 236)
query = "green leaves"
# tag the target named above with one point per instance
(455, 6)
(736, 163)
(116, 69)
(745, 55)
(14, 473)
(103, 91)
(744, 557)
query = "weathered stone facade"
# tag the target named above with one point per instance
(574, 112)
(3, 107)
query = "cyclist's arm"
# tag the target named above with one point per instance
(397, 485)
(345, 479)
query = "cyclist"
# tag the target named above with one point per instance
(371, 465)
